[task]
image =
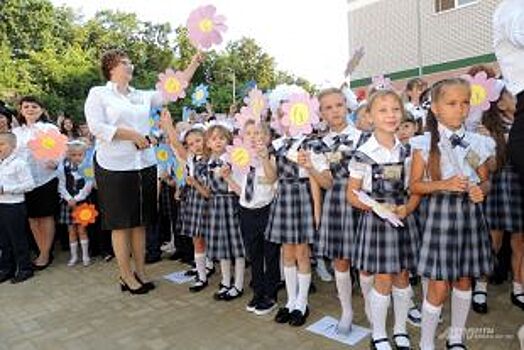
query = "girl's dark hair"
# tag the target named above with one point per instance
(110, 59)
(493, 120)
(432, 125)
(31, 99)
(74, 132)
(412, 83)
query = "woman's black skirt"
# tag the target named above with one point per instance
(127, 199)
(43, 200)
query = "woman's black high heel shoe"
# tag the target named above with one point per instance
(148, 285)
(125, 288)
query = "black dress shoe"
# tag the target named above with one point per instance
(21, 277)
(148, 285)
(297, 318)
(210, 271)
(480, 308)
(198, 286)
(40, 267)
(282, 315)
(125, 288)
(222, 291)
(6, 276)
(176, 256)
(515, 301)
(233, 293)
(455, 346)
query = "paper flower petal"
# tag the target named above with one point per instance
(164, 155)
(300, 114)
(48, 145)
(483, 91)
(205, 28)
(172, 85)
(200, 95)
(256, 101)
(85, 214)
(240, 156)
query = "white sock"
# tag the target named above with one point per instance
(430, 318)
(480, 286)
(304, 281)
(460, 304)
(343, 282)
(366, 284)
(73, 247)
(290, 275)
(401, 301)
(517, 289)
(379, 311)
(240, 265)
(209, 263)
(200, 264)
(85, 249)
(225, 268)
(425, 285)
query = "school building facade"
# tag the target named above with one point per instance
(404, 39)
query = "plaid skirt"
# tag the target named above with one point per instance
(223, 236)
(194, 213)
(456, 241)
(379, 247)
(504, 203)
(291, 217)
(338, 223)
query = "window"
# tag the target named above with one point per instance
(444, 5)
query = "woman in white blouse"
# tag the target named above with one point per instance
(125, 163)
(42, 201)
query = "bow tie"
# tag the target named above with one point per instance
(458, 141)
(215, 163)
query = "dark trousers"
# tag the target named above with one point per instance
(14, 246)
(153, 241)
(264, 255)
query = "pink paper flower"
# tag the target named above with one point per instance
(205, 27)
(240, 156)
(172, 85)
(242, 117)
(380, 82)
(48, 145)
(483, 91)
(256, 101)
(300, 114)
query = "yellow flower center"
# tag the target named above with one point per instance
(48, 143)
(240, 156)
(199, 95)
(172, 85)
(162, 155)
(89, 172)
(299, 114)
(205, 25)
(256, 106)
(478, 94)
(85, 214)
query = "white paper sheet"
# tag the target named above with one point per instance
(178, 277)
(327, 326)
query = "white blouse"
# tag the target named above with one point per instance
(318, 160)
(40, 170)
(106, 109)
(15, 180)
(467, 159)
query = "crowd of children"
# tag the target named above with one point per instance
(308, 197)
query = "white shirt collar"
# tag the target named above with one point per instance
(113, 86)
(9, 159)
(448, 132)
(373, 145)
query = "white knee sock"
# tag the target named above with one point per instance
(401, 301)
(85, 249)
(240, 266)
(343, 282)
(304, 281)
(290, 275)
(425, 284)
(209, 263)
(200, 264)
(379, 311)
(366, 284)
(460, 304)
(225, 268)
(73, 247)
(430, 318)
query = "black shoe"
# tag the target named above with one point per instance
(402, 335)
(283, 315)
(480, 308)
(515, 301)
(148, 285)
(312, 288)
(455, 346)
(192, 272)
(21, 277)
(373, 344)
(210, 271)
(281, 285)
(41, 267)
(125, 288)
(222, 291)
(253, 303)
(297, 318)
(6, 276)
(153, 259)
(233, 293)
(176, 256)
(198, 286)
(265, 307)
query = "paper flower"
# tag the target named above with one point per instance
(300, 114)
(172, 85)
(48, 145)
(240, 156)
(164, 155)
(85, 214)
(242, 117)
(483, 91)
(200, 95)
(380, 82)
(179, 173)
(154, 121)
(205, 27)
(86, 169)
(256, 102)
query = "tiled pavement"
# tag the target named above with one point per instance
(82, 308)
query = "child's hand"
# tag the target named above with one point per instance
(262, 150)
(457, 184)
(71, 203)
(224, 172)
(166, 122)
(475, 194)
(304, 159)
(190, 181)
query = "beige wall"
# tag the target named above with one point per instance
(388, 31)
